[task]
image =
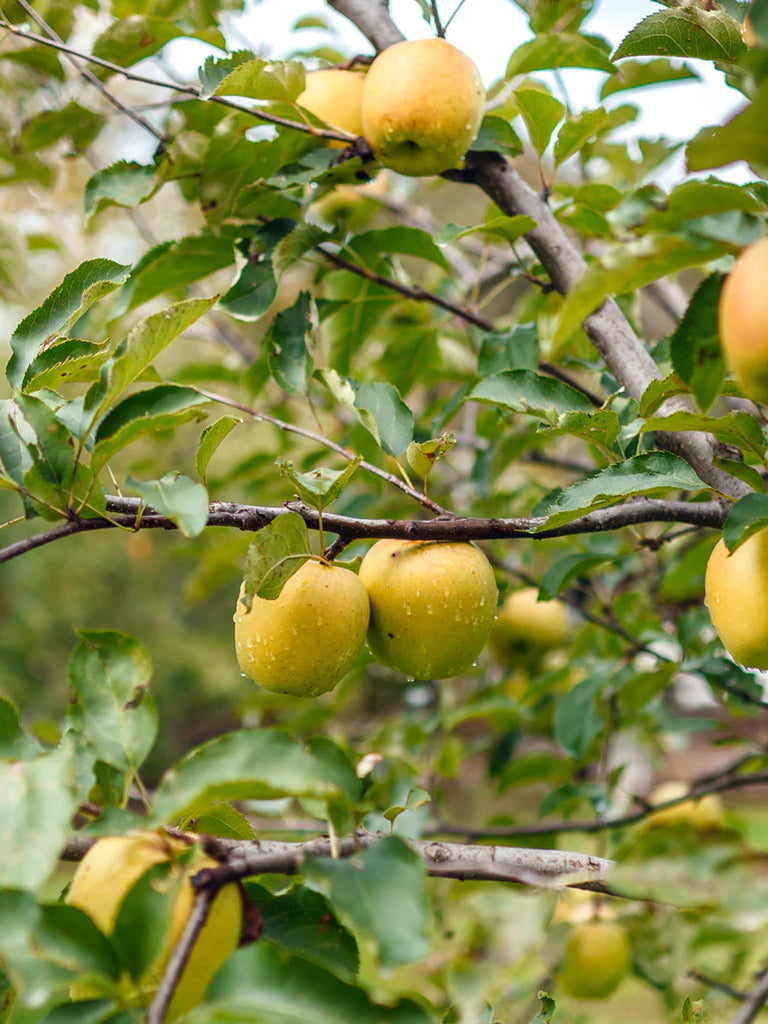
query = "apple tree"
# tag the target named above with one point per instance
(237, 340)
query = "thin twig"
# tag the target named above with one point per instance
(721, 986)
(187, 90)
(719, 784)
(753, 1003)
(88, 75)
(333, 446)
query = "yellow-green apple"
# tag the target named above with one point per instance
(104, 877)
(736, 594)
(525, 627)
(335, 96)
(597, 957)
(305, 640)
(703, 814)
(743, 320)
(422, 106)
(432, 605)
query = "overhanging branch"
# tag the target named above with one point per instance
(124, 513)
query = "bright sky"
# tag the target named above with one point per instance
(488, 30)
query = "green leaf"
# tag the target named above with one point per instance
(695, 345)
(517, 349)
(560, 50)
(577, 720)
(67, 362)
(740, 138)
(258, 79)
(225, 821)
(290, 362)
(738, 428)
(384, 414)
(643, 474)
(508, 228)
(78, 291)
(183, 501)
(139, 349)
(134, 38)
(171, 266)
(546, 1011)
(67, 936)
(747, 517)
(529, 392)
(14, 742)
(362, 886)
(76, 123)
(41, 59)
(565, 570)
(14, 459)
(146, 412)
(274, 555)
(214, 70)
(52, 449)
(303, 922)
(210, 439)
(497, 135)
(637, 74)
(629, 267)
(251, 764)
(529, 768)
(372, 245)
(541, 113)
(577, 131)
(423, 455)
(319, 487)
(263, 982)
(684, 32)
(37, 801)
(143, 919)
(113, 708)
(658, 391)
(124, 183)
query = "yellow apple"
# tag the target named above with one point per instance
(743, 320)
(108, 871)
(525, 627)
(422, 106)
(748, 34)
(432, 605)
(303, 642)
(596, 959)
(335, 96)
(736, 594)
(703, 814)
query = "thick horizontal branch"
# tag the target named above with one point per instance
(124, 513)
(543, 868)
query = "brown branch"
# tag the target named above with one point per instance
(124, 512)
(753, 1003)
(717, 784)
(186, 90)
(372, 18)
(333, 446)
(420, 294)
(179, 958)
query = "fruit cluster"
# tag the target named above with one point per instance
(419, 106)
(426, 609)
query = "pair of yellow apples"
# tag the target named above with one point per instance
(419, 106)
(425, 608)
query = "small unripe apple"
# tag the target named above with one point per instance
(335, 96)
(525, 627)
(104, 877)
(432, 605)
(422, 106)
(703, 814)
(305, 640)
(596, 959)
(736, 594)
(743, 320)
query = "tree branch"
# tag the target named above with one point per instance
(372, 18)
(753, 1003)
(124, 513)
